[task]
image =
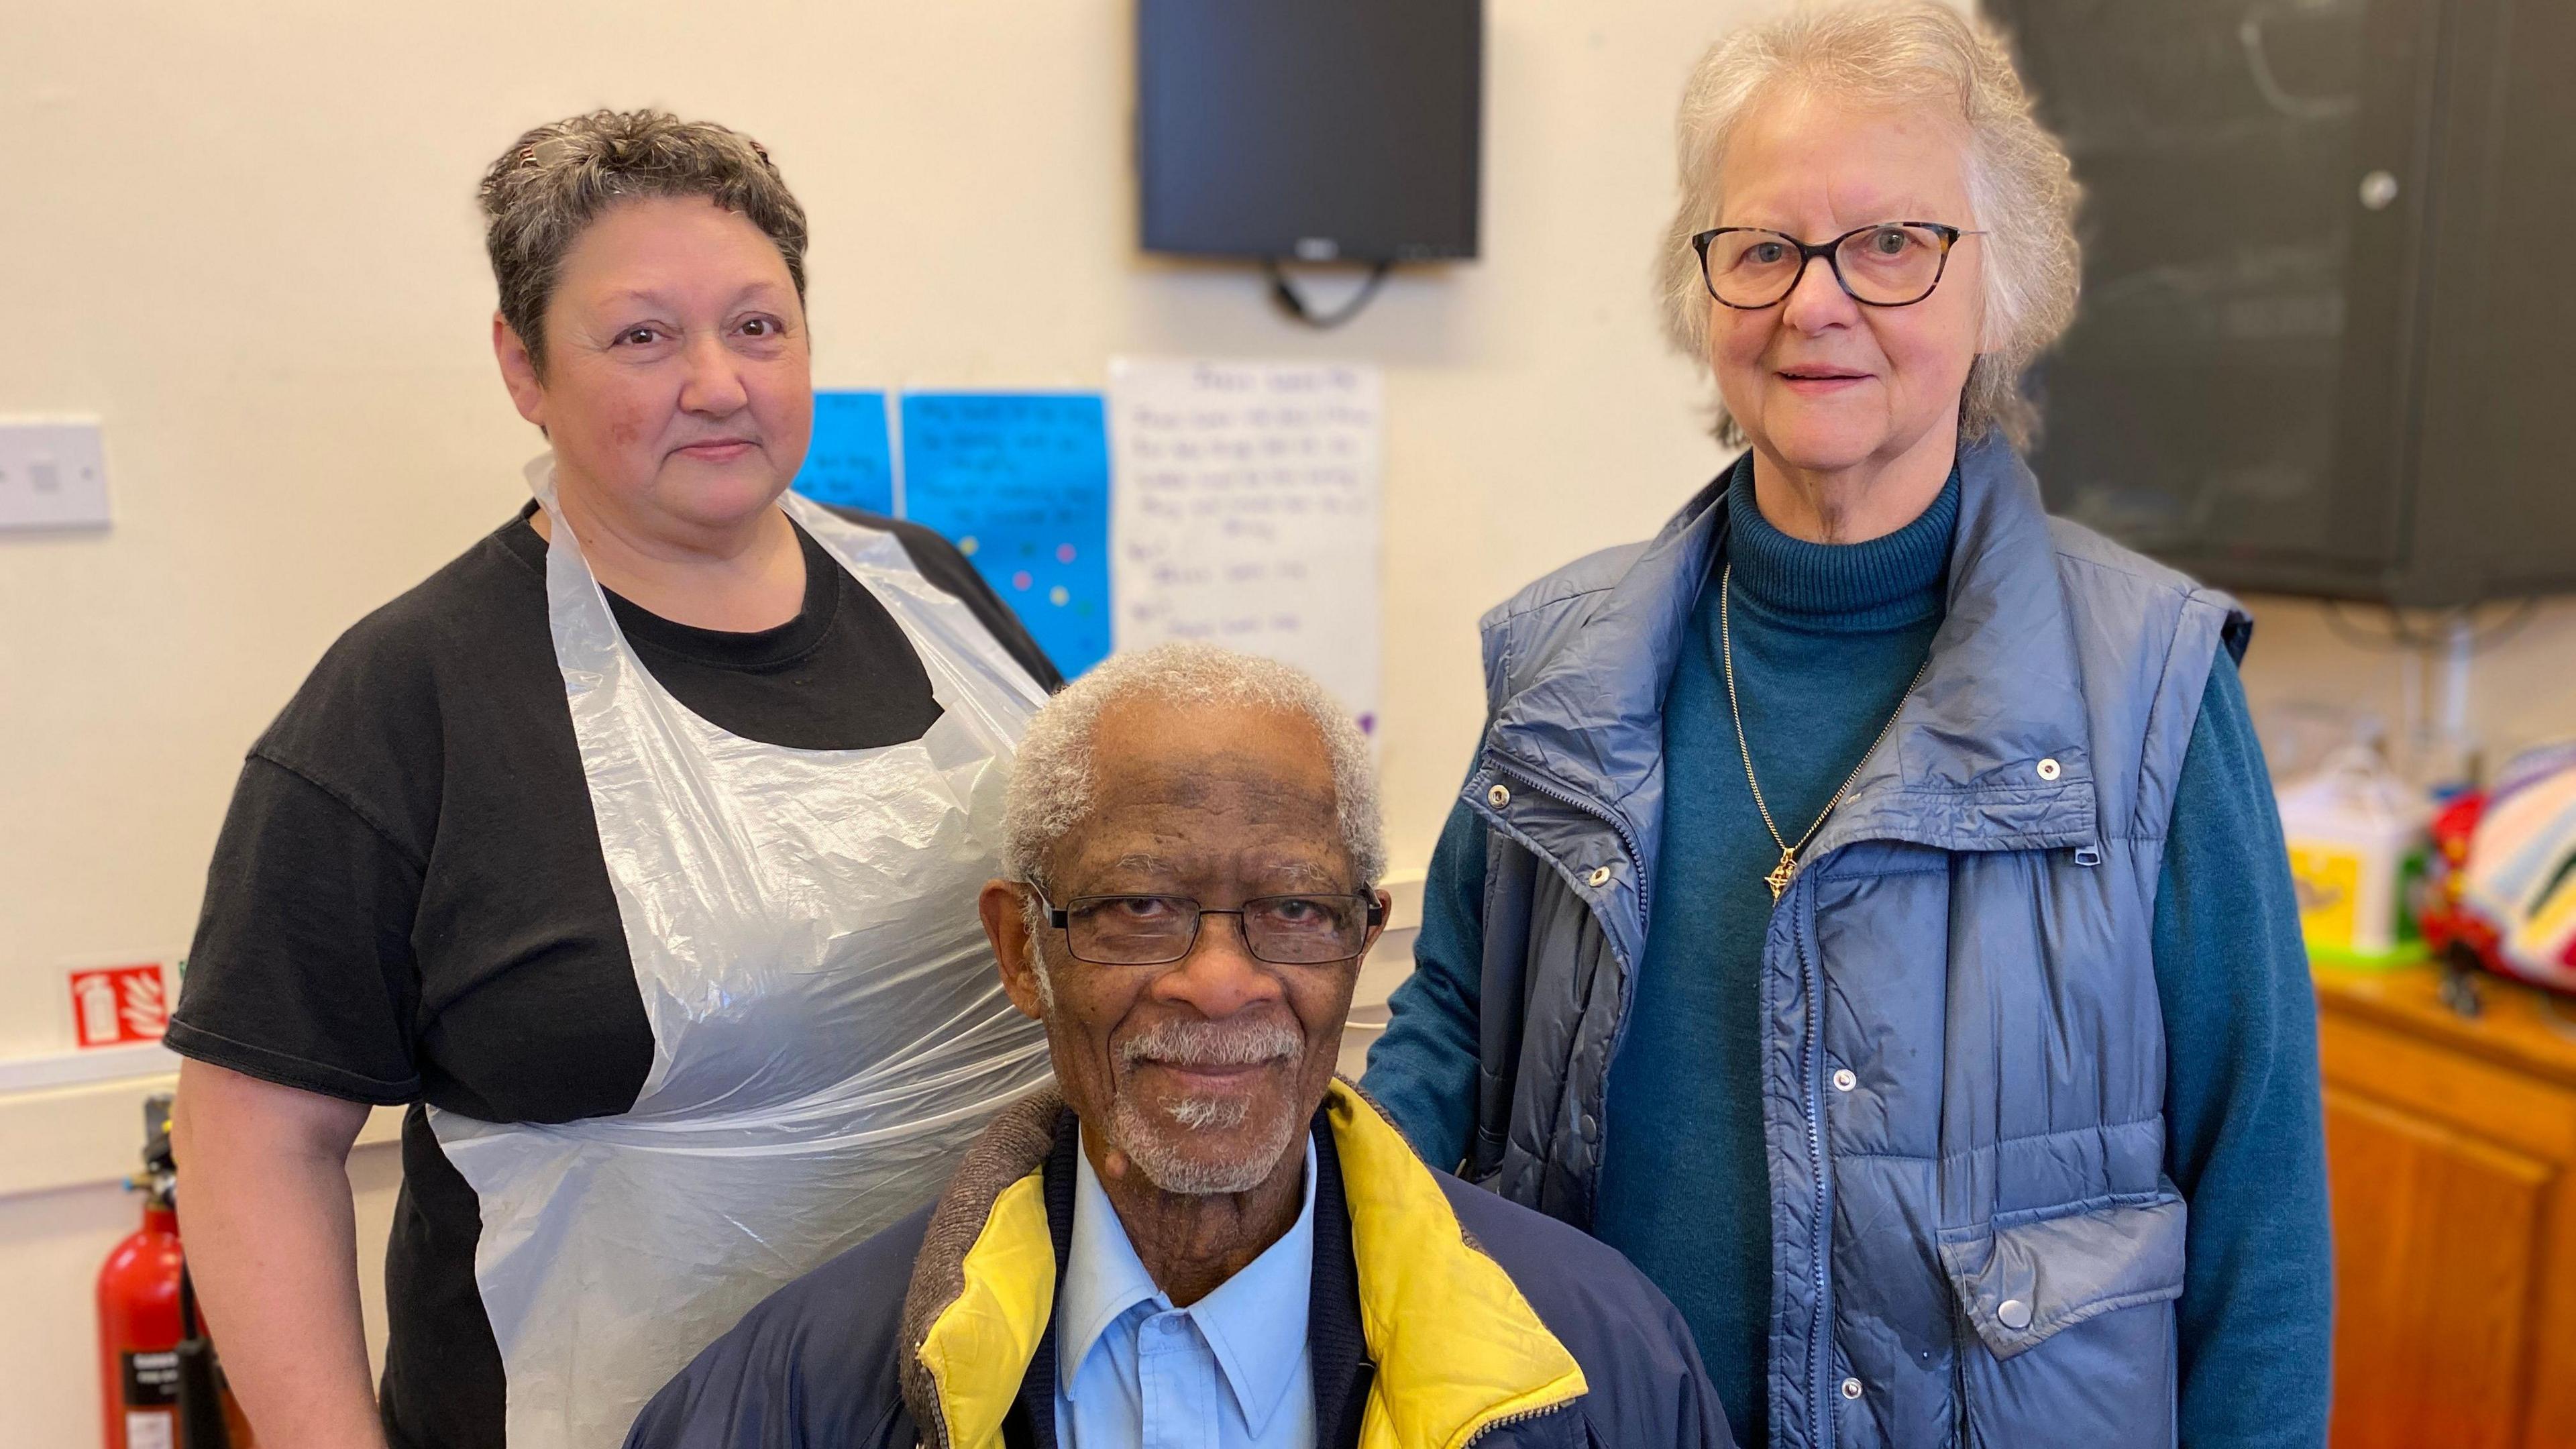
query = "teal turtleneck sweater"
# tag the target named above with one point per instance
(1827, 637)
(1826, 640)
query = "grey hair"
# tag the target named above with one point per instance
(1052, 781)
(1899, 53)
(556, 180)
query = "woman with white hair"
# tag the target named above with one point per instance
(1867, 908)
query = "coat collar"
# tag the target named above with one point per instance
(1592, 719)
(1960, 770)
(1457, 1346)
(1966, 763)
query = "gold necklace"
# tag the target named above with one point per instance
(1781, 874)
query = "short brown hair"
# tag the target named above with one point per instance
(557, 179)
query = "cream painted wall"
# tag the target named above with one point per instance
(244, 236)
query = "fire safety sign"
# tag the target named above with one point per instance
(117, 1005)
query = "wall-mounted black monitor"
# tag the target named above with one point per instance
(1317, 130)
(2324, 341)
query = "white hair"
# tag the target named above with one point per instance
(1052, 781)
(1914, 54)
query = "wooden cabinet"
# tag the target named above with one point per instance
(2452, 1148)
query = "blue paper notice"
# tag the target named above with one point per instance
(1020, 482)
(849, 462)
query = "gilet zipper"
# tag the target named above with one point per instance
(1564, 796)
(1960, 1335)
(1819, 1360)
(1637, 869)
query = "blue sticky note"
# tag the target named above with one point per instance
(849, 463)
(1020, 482)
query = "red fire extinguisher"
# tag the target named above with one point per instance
(138, 1307)
(157, 1378)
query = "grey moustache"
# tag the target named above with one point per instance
(1211, 1044)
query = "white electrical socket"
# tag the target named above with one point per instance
(53, 473)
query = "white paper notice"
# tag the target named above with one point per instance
(1246, 513)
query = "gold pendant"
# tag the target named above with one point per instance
(1778, 879)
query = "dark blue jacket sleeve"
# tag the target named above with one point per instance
(811, 1367)
(2245, 1131)
(1423, 1068)
(1647, 1388)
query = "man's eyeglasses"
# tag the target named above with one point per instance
(1884, 264)
(1299, 930)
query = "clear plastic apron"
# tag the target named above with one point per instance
(828, 1028)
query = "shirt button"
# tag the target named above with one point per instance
(1851, 1388)
(2013, 1313)
(1600, 875)
(2048, 769)
(1498, 797)
(1844, 1080)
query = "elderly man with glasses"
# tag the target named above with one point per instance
(1198, 1236)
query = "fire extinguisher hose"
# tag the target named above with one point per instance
(201, 1400)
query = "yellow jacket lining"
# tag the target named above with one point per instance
(1457, 1348)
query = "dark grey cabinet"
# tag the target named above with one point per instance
(2328, 337)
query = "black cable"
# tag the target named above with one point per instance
(2514, 623)
(1285, 293)
(2404, 633)
(2397, 637)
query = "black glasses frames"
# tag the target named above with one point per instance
(1898, 279)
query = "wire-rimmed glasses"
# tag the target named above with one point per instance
(1156, 930)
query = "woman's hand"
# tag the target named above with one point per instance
(271, 1233)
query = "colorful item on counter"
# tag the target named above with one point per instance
(2355, 830)
(2508, 889)
(2437, 910)
(2502, 884)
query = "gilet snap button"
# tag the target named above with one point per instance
(2013, 1313)
(2048, 770)
(1498, 797)
(1851, 1388)
(1600, 875)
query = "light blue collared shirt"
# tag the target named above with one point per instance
(1231, 1371)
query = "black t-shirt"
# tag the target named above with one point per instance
(408, 903)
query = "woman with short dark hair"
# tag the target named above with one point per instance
(636, 850)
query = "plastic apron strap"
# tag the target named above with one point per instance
(829, 1030)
